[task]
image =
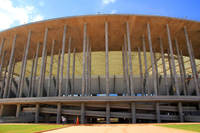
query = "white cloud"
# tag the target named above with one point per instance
(37, 18)
(12, 15)
(106, 2)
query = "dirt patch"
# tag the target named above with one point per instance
(119, 128)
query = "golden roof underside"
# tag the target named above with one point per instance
(96, 33)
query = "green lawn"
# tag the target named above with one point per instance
(189, 127)
(26, 128)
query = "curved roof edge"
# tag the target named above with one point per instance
(46, 20)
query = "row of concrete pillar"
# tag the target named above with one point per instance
(107, 109)
(86, 75)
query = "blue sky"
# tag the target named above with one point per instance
(17, 12)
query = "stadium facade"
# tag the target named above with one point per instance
(164, 89)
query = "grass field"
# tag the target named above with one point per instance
(30, 128)
(189, 127)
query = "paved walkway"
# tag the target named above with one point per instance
(118, 129)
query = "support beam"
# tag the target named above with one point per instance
(62, 62)
(31, 77)
(141, 72)
(107, 59)
(107, 113)
(82, 113)
(21, 86)
(67, 92)
(99, 84)
(57, 76)
(180, 68)
(43, 76)
(158, 112)
(1, 110)
(21, 72)
(2, 62)
(2, 54)
(87, 68)
(130, 60)
(35, 71)
(90, 69)
(172, 61)
(11, 79)
(73, 71)
(146, 79)
(180, 110)
(15, 86)
(128, 93)
(192, 62)
(170, 69)
(100, 99)
(114, 84)
(84, 49)
(42, 64)
(37, 111)
(192, 51)
(174, 72)
(164, 67)
(184, 72)
(51, 68)
(133, 112)
(124, 71)
(54, 84)
(1, 67)
(2, 46)
(4, 80)
(156, 70)
(195, 68)
(58, 119)
(27, 82)
(9, 67)
(152, 61)
(18, 110)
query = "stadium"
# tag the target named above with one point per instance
(101, 69)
